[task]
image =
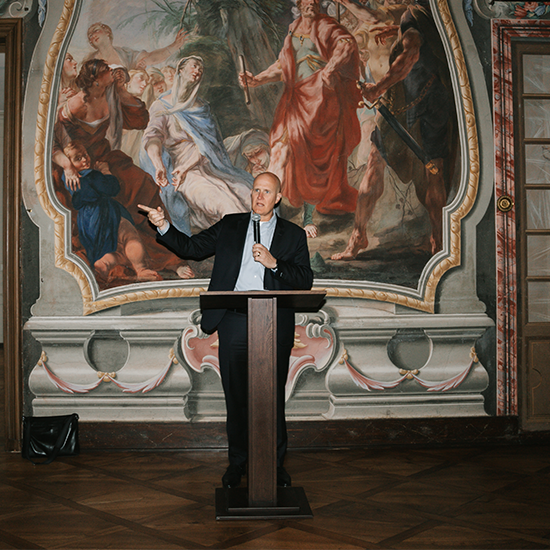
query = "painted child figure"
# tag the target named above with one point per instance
(105, 227)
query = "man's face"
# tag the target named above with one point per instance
(265, 196)
(80, 158)
(192, 71)
(309, 8)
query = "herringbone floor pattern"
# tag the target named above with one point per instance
(496, 497)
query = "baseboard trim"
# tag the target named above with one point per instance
(429, 432)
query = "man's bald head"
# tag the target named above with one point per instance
(269, 176)
(266, 193)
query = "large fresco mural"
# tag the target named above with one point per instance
(364, 111)
(183, 103)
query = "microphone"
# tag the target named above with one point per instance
(256, 223)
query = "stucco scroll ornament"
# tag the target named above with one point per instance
(20, 8)
(370, 384)
(138, 387)
(313, 347)
(24, 9)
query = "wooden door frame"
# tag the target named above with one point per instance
(504, 33)
(530, 332)
(11, 36)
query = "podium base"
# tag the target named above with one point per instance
(233, 504)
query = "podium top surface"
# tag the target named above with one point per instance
(301, 300)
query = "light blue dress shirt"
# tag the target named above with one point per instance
(251, 274)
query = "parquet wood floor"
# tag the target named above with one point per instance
(438, 498)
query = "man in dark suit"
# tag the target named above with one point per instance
(281, 262)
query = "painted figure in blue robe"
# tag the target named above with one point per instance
(105, 227)
(184, 152)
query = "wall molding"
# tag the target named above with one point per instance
(12, 40)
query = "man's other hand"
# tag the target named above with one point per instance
(261, 254)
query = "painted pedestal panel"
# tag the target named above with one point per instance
(162, 367)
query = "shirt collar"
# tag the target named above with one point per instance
(269, 223)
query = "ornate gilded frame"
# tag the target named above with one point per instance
(423, 298)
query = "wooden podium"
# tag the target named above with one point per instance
(262, 499)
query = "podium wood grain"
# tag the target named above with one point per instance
(262, 402)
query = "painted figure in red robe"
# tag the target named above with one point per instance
(315, 127)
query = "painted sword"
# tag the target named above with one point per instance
(409, 141)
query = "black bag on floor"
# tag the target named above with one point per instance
(47, 437)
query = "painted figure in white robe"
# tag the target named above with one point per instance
(184, 147)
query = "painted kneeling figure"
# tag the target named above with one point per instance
(105, 227)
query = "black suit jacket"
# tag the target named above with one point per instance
(225, 240)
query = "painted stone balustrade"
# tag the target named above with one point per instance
(162, 367)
